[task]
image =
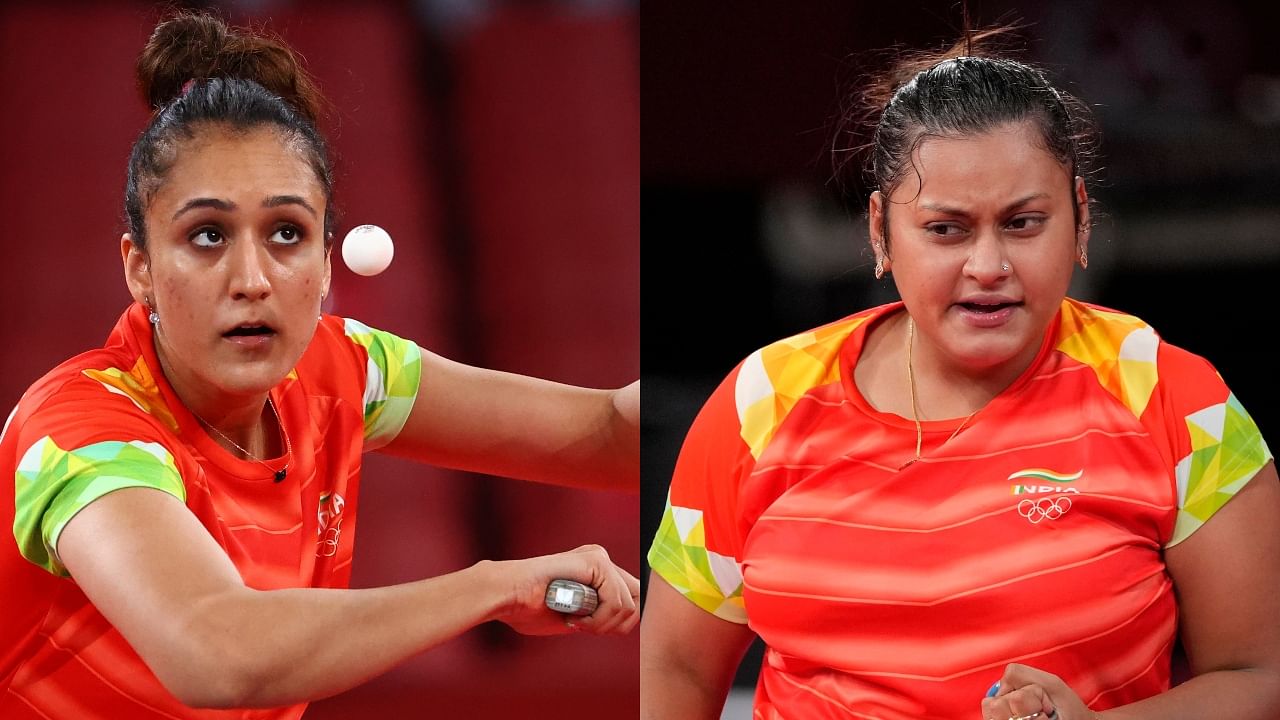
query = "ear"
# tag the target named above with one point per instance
(875, 222)
(1082, 230)
(137, 270)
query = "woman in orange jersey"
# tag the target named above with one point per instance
(184, 499)
(988, 500)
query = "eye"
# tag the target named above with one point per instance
(207, 238)
(287, 235)
(944, 230)
(1023, 223)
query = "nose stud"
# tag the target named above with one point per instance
(1005, 267)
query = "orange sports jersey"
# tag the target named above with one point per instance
(1033, 535)
(107, 420)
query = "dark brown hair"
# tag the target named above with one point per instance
(967, 89)
(195, 70)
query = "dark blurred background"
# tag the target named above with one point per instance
(748, 240)
(498, 143)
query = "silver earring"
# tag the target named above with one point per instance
(879, 268)
(1084, 258)
(153, 317)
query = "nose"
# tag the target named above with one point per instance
(987, 262)
(248, 270)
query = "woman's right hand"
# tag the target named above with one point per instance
(526, 581)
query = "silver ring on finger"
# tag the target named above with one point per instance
(1032, 716)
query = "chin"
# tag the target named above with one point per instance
(993, 356)
(249, 381)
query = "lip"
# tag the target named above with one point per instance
(251, 341)
(987, 320)
(989, 299)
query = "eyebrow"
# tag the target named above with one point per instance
(227, 205)
(947, 210)
(278, 200)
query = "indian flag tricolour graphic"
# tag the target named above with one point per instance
(1046, 475)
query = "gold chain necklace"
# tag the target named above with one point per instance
(915, 409)
(288, 448)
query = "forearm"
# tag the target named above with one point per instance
(625, 438)
(1244, 694)
(522, 427)
(600, 447)
(590, 441)
(158, 577)
(285, 646)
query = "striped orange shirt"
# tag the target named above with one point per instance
(106, 420)
(1034, 534)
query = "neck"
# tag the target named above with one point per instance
(246, 421)
(947, 390)
(258, 441)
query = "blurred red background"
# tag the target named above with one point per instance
(500, 148)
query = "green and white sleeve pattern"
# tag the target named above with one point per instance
(52, 484)
(393, 377)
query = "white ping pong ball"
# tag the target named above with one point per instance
(367, 250)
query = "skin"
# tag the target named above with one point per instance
(208, 269)
(680, 676)
(499, 423)
(984, 201)
(235, 235)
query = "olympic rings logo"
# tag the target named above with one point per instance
(328, 546)
(1044, 508)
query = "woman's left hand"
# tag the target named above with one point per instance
(1027, 693)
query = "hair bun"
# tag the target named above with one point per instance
(183, 47)
(190, 46)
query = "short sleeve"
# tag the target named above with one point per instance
(52, 482)
(698, 546)
(1216, 446)
(393, 375)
